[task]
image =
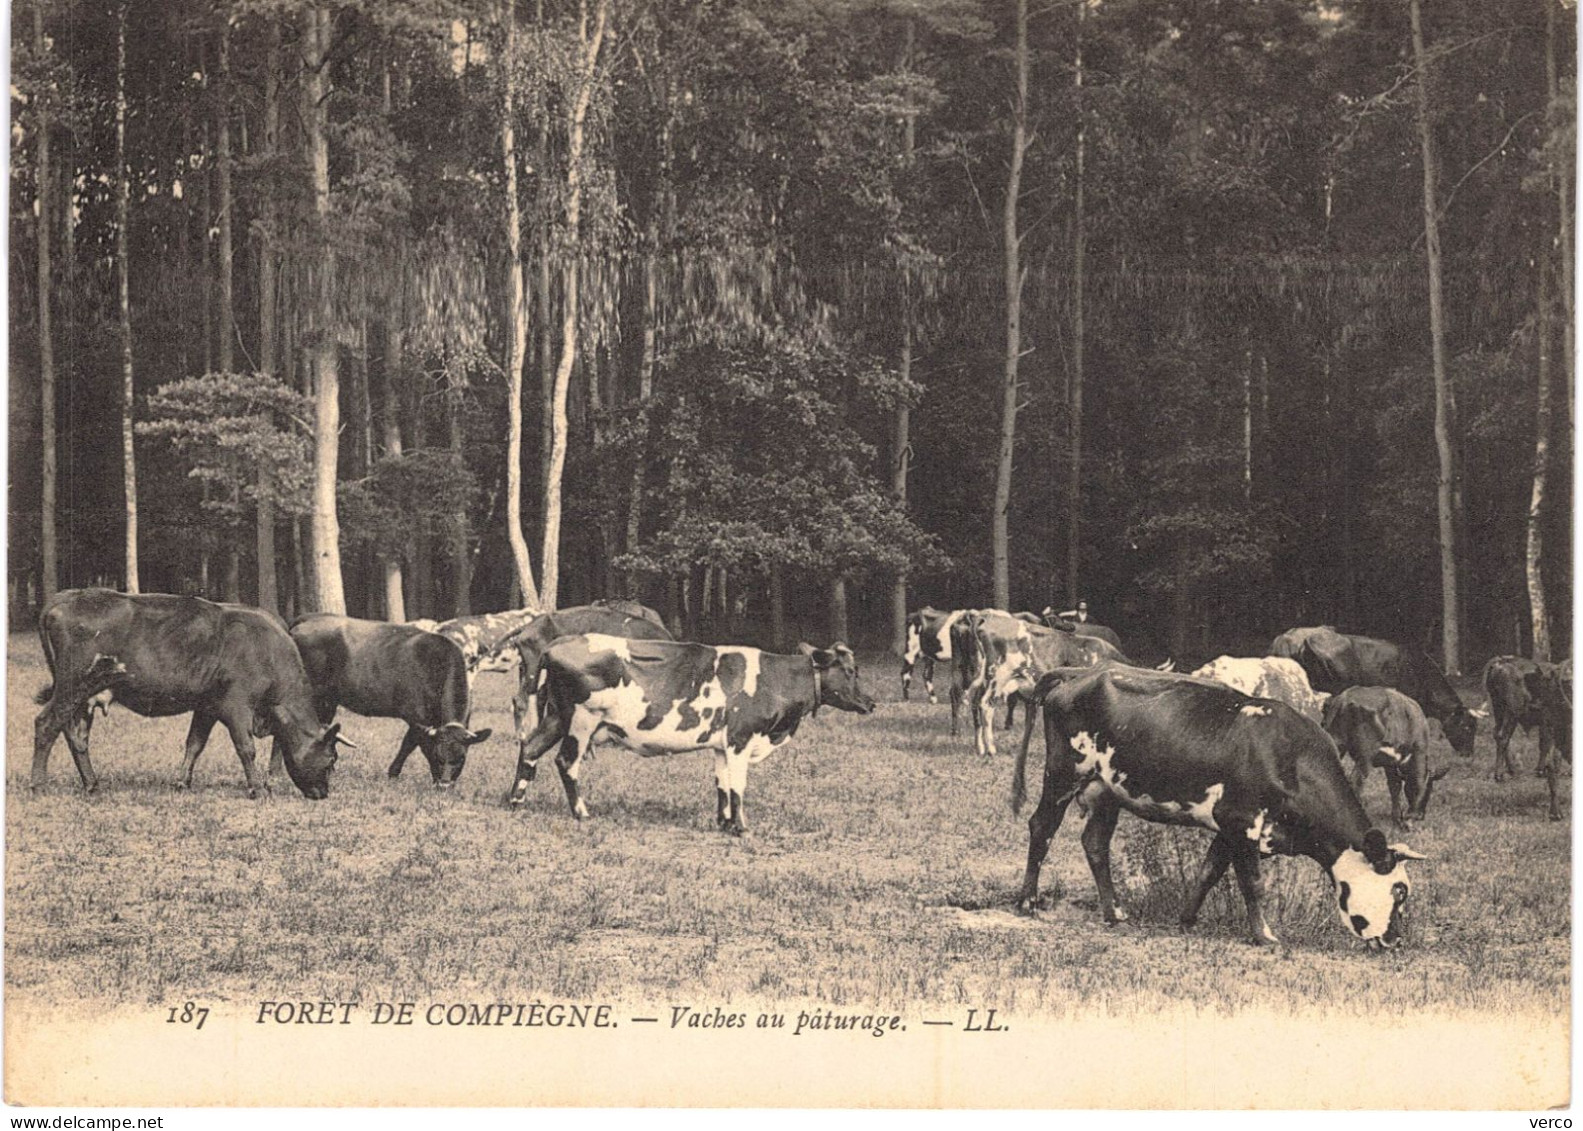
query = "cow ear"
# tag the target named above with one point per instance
(805, 648)
(480, 736)
(1375, 850)
(842, 650)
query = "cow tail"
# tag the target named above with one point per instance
(1019, 770)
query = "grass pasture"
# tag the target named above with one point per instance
(881, 876)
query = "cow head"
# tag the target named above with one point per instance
(446, 749)
(1460, 727)
(310, 768)
(1371, 888)
(835, 678)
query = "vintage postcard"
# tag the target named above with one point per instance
(1102, 470)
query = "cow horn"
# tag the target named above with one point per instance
(1478, 712)
(805, 648)
(1406, 853)
(840, 649)
(337, 737)
(1167, 666)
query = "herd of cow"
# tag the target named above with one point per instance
(1249, 749)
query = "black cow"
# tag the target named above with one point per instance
(159, 655)
(392, 671)
(664, 697)
(1053, 619)
(1335, 661)
(611, 617)
(1181, 750)
(1556, 699)
(1379, 726)
(1530, 693)
(1516, 689)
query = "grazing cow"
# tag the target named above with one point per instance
(665, 697)
(928, 642)
(1379, 726)
(613, 618)
(1335, 662)
(392, 671)
(1531, 693)
(1181, 750)
(159, 655)
(1289, 643)
(1010, 656)
(1556, 700)
(1270, 677)
(1053, 619)
(1515, 686)
(481, 638)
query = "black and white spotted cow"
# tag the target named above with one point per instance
(611, 617)
(928, 643)
(1010, 656)
(1379, 726)
(482, 637)
(666, 697)
(1181, 750)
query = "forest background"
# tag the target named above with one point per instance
(786, 316)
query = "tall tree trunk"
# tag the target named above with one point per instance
(226, 315)
(264, 533)
(1562, 172)
(327, 385)
(901, 430)
(123, 197)
(461, 555)
(777, 608)
(517, 337)
(1247, 426)
(50, 578)
(395, 599)
(544, 295)
(588, 61)
(1445, 398)
(1000, 539)
(838, 617)
(1534, 558)
(1074, 408)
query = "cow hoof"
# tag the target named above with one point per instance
(1556, 817)
(1117, 915)
(1188, 922)
(178, 785)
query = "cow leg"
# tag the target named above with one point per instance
(722, 790)
(1360, 774)
(1011, 709)
(569, 763)
(197, 739)
(1546, 751)
(1393, 781)
(46, 729)
(551, 729)
(956, 705)
(906, 680)
(409, 743)
(1503, 741)
(1251, 881)
(1102, 814)
(1216, 861)
(928, 679)
(240, 724)
(1060, 781)
(736, 773)
(1552, 776)
(76, 730)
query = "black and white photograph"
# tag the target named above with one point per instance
(1102, 469)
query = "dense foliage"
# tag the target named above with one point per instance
(757, 236)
